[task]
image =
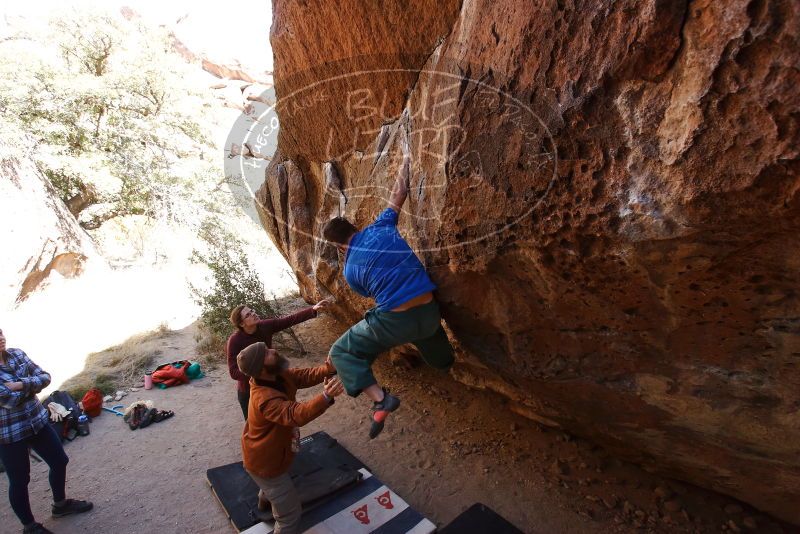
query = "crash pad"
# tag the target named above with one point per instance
(320, 469)
(367, 507)
(480, 519)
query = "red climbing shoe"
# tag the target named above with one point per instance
(381, 411)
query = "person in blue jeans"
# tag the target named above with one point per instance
(25, 425)
(378, 263)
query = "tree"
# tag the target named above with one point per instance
(233, 282)
(110, 106)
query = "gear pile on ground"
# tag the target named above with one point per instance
(141, 413)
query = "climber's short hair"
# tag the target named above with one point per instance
(338, 230)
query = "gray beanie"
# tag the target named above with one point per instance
(251, 359)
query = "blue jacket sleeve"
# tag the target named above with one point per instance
(387, 217)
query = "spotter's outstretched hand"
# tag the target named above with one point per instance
(321, 305)
(333, 387)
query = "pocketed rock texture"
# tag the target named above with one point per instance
(40, 234)
(604, 192)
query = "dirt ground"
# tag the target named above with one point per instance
(445, 449)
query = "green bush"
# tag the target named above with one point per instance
(233, 282)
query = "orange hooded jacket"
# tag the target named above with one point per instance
(273, 415)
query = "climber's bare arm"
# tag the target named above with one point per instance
(400, 188)
(401, 183)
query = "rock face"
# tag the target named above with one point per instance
(606, 194)
(40, 236)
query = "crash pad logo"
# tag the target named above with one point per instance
(385, 500)
(482, 159)
(361, 514)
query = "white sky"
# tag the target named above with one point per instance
(211, 29)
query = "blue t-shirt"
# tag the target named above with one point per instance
(381, 265)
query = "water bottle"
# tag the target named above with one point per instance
(83, 425)
(148, 380)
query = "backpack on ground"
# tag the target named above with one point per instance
(67, 428)
(93, 402)
(172, 374)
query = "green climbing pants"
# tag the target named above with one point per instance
(379, 331)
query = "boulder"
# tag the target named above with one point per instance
(606, 194)
(40, 236)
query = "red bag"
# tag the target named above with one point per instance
(93, 402)
(169, 375)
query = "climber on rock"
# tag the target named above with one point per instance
(378, 263)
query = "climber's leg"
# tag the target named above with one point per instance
(353, 353)
(436, 350)
(430, 338)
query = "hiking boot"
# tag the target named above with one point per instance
(36, 528)
(381, 411)
(71, 506)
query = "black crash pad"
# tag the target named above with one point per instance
(479, 519)
(320, 470)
